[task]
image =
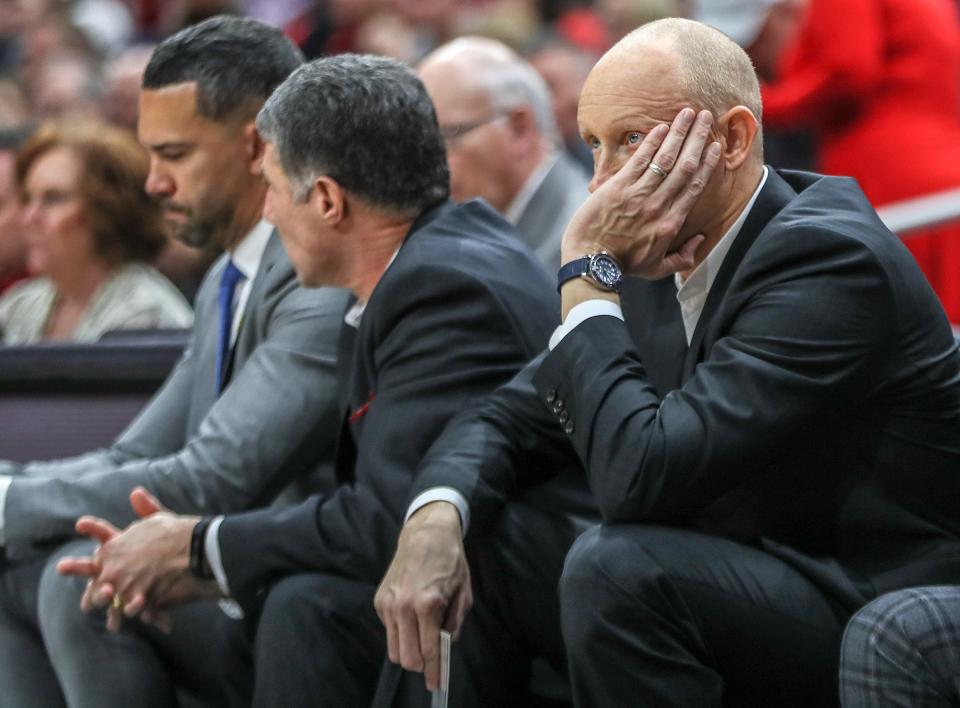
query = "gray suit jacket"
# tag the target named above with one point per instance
(550, 209)
(276, 418)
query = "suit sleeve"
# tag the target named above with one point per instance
(502, 446)
(440, 341)
(256, 437)
(836, 60)
(806, 348)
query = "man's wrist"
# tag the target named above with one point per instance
(437, 513)
(199, 566)
(578, 290)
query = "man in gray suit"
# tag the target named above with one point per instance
(250, 406)
(502, 141)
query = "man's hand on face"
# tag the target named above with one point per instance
(426, 589)
(141, 570)
(637, 213)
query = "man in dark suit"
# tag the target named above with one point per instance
(249, 408)
(449, 304)
(772, 435)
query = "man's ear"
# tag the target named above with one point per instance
(254, 146)
(522, 126)
(736, 130)
(330, 200)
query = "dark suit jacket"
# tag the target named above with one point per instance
(816, 412)
(463, 306)
(196, 452)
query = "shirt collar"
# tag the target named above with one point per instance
(704, 274)
(529, 188)
(355, 313)
(248, 254)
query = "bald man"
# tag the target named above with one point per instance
(502, 141)
(768, 417)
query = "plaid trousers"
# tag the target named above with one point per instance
(903, 649)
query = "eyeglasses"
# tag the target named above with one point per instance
(454, 132)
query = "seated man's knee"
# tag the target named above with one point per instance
(307, 605)
(904, 626)
(59, 595)
(607, 570)
(58, 602)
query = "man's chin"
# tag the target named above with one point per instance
(187, 234)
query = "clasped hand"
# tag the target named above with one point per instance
(138, 571)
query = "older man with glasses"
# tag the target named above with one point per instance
(502, 140)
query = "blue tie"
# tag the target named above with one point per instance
(228, 285)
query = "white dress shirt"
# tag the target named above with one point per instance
(246, 256)
(691, 295)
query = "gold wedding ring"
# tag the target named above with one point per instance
(657, 170)
(117, 603)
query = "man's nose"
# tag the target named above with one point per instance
(158, 182)
(29, 213)
(603, 169)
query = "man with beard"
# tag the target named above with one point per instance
(233, 424)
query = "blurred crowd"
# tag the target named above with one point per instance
(866, 88)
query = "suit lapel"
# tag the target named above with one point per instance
(653, 319)
(545, 217)
(263, 282)
(537, 218)
(345, 453)
(775, 195)
(206, 340)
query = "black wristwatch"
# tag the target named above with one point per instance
(599, 269)
(199, 567)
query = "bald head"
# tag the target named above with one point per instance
(714, 72)
(647, 78)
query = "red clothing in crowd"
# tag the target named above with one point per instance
(879, 80)
(9, 281)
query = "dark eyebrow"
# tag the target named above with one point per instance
(160, 147)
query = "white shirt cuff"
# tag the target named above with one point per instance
(5, 481)
(447, 494)
(584, 311)
(211, 547)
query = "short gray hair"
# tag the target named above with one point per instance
(365, 121)
(507, 79)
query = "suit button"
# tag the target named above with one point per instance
(557, 407)
(568, 428)
(564, 416)
(551, 395)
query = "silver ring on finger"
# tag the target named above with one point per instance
(657, 170)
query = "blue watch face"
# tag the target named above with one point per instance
(605, 270)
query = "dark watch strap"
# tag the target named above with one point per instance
(571, 270)
(199, 567)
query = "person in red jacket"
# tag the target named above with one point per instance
(879, 80)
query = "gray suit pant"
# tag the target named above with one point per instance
(52, 654)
